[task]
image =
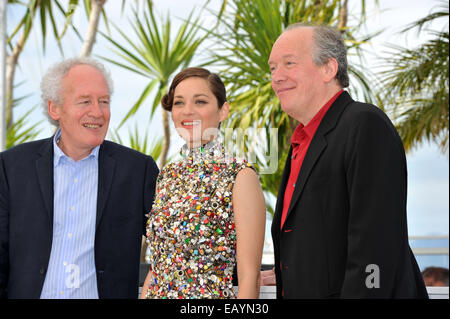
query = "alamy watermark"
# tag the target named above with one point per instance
(373, 279)
(256, 145)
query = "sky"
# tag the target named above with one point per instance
(428, 169)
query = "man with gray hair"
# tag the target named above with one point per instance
(72, 206)
(339, 228)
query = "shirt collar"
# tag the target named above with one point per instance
(307, 131)
(58, 154)
(299, 135)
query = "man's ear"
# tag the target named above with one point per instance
(53, 110)
(224, 111)
(330, 69)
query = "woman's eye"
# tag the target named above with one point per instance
(201, 102)
(177, 103)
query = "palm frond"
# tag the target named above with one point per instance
(155, 55)
(416, 85)
(21, 131)
(138, 142)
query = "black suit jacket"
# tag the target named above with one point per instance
(126, 185)
(347, 216)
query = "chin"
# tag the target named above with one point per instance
(96, 142)
(288, 109)
(194, 142)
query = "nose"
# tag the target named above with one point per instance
(278, 74)
(95, 110)
(188, 108)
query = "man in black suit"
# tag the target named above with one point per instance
(72, 206)
(339, 228)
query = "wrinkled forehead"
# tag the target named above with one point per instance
(83, 71)
(292, 42)
(85, 76)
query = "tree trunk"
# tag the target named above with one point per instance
(94, 17)
(343, 15)
(165, 150)
(11, 62)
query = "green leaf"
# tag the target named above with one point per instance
(139, 102)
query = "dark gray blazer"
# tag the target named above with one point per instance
(126, 186)
(348, 212)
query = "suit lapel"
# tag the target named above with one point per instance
(106, 166)
(282, 189)
(318, 145)
(44, 171)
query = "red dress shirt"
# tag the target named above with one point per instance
(300, 142)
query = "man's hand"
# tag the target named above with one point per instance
(267, 278)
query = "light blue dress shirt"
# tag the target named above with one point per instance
(71, 271)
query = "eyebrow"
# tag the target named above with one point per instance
(89, 96)
(195, 95)
(283, 57)
(83, 96)
(201, 94)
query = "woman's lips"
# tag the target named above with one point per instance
(190, 123)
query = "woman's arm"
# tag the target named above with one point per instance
(146, 285)
(250, 217)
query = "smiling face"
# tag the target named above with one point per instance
(85, 111)
(195, 111)
(296, 79)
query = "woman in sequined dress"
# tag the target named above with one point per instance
(209, 209)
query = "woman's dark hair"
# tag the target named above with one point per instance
(214, 82)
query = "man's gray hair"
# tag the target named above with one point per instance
(51, 83)
(328, 43)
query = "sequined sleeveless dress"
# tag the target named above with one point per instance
(191, 231)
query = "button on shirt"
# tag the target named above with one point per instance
(300, 143)
(71, 271)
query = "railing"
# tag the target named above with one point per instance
(439, 250)
(269, 292)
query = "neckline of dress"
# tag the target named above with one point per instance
(212, 150)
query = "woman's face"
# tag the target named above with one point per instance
(195, 111)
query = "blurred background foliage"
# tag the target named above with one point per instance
(412, 86)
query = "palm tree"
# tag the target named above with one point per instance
(250, 29)
(46, 10)
(93, 10)
(21, 130)
(156, 56)
(135, 141)
(416, 85)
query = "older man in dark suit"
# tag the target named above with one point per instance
(339, 228)
(72, 206)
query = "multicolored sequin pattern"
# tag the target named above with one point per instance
(191, 231)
